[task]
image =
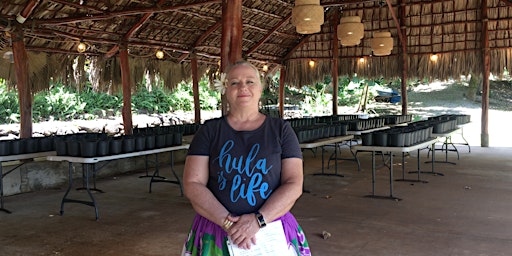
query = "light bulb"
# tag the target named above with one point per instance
(81, 47)
(159, 54)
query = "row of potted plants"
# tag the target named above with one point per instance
(100, 144)
(399, 136)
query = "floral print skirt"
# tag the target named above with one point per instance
(207, 238)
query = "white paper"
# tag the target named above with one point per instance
(270, 241)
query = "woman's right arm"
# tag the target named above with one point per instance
(195, 178)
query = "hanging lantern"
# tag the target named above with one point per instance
(350, 31)
(307, 16)
(382, 43)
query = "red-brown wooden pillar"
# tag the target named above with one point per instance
(195, 89)
(231, 44)
(335, 53)
(486, 72)
(282, 75)
(405, 63)
(22, 82)
(127, 90)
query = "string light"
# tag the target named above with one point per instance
(361, 60)
(159, 54)
(433, 57)
(81, 47)
(312, 63)
(265, 68)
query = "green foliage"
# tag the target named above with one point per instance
(9, 107)
(98, 103)
(59, 103)
(154, 101)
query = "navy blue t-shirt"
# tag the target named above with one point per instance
(245, 166)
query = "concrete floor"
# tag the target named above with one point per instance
(465, 212)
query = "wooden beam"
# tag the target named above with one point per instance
(201, 39)
(507, 2)
(282, 77)
(22, 82)
(405, 67)
(231, 40)
(398, 29)
(132, 31)
(137, 11)
(334, 68)
(486, 72)
(127, 91)
(195, 89)
(27, 11)
(274, 29)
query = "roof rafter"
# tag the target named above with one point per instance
(136, 11)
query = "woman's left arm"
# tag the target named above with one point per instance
(284, 197)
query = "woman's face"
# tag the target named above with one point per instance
(243, 87)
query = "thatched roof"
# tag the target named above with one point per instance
(453, 29)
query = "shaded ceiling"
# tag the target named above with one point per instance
(453, 29)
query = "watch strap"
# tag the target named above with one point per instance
(261, 220)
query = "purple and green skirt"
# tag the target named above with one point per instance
(207, 238)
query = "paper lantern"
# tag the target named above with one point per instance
(381, 43)
(350, 31)
(307, 16)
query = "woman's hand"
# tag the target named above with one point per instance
(243, 231)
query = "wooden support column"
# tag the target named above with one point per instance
(486, 72)
(195, 89)
(231, 43)
(282, 76)
(335, 53)
(127, 90)
(405, 63)
(22, 82)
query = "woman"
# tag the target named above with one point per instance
(242, 171)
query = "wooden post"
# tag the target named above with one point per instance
(195, 89)
(282, 76)
(22, 82)
(127, 90)
(486, 66)
(405, 64)
(335, 53)
(231, 43)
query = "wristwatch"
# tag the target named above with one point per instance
(261, 220)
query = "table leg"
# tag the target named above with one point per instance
(157, 178)
(65, 199)
(418, 171)
(2, 191)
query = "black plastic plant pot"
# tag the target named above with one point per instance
(88, 148)
(169, 139)
(103, 147)
(116, 146)
(177, 139)
(367, 139)
(396, 139)
(140, 143)
(380, 139)
(5, 147)
(128, 144)
(73, 148)
(160, 141)
(61, 147)
(150, 141)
